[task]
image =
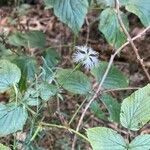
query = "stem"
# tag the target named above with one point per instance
(16, 92)
(130, 40)
(101, 83)
(64, 127)
(121, 89)
(76, 112)
(36, 133)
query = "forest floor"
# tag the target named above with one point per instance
(59, 36)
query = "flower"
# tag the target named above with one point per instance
(86, 56)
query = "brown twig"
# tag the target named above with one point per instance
(130, 40)
(102, 81)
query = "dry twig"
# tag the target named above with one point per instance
(102, 81)
(130, 40)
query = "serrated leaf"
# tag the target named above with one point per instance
(102, 138)
(47, 91)
(110, 27)
(3, 147)
(135, 112)
(95, 107)
(114, 79)
(10, 74)
(74, 81)
(28, 66)
(12, 118)
(30, 39)
(141, 142)
(51, 59)
(141, 8)
(71, 12)
(112, 106)
(31, 97)
(110, 3)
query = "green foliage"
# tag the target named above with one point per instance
(10, 75)
(108, 23)
(71, 12)
(141, 8)
(110, 3)
(135, 112)
(12, 118)
(31, 84)
(51, 59)
(141, 142)
(31, 39)
(95, 108)
(114, 79)
(113, 107)
(31, 97)
(104, 138)
(3, 147)
(134, 115)
(46, 91)
(74, 81)
(28, 67)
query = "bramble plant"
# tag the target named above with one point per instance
(31, 83)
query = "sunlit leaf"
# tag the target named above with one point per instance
(102, 138)
(110, 27)
(141, 8)
(10, 75)
(12, 118)
(74, 81)
(135, 112)
(114, 79)
(71, 12)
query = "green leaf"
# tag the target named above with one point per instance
(102, 138)
(110, 27)
(10, 74)
(106, 3)
(47, 91)
(28, 66)
(113, 107)
(71, 12)
(135, 112)
(74, 81)
(141, 8)
(95, 107)
(31, 39)
(110, 3)
(4, 52)
(114, 79)
(12, 118)
(31, 97)
(51, 59)
(3, 147)
(141, 142)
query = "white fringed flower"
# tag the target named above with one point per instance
(86, 56)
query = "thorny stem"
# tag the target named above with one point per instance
(130, 40)
(102, 81)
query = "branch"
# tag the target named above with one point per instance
(102, 81)
(130, 40)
